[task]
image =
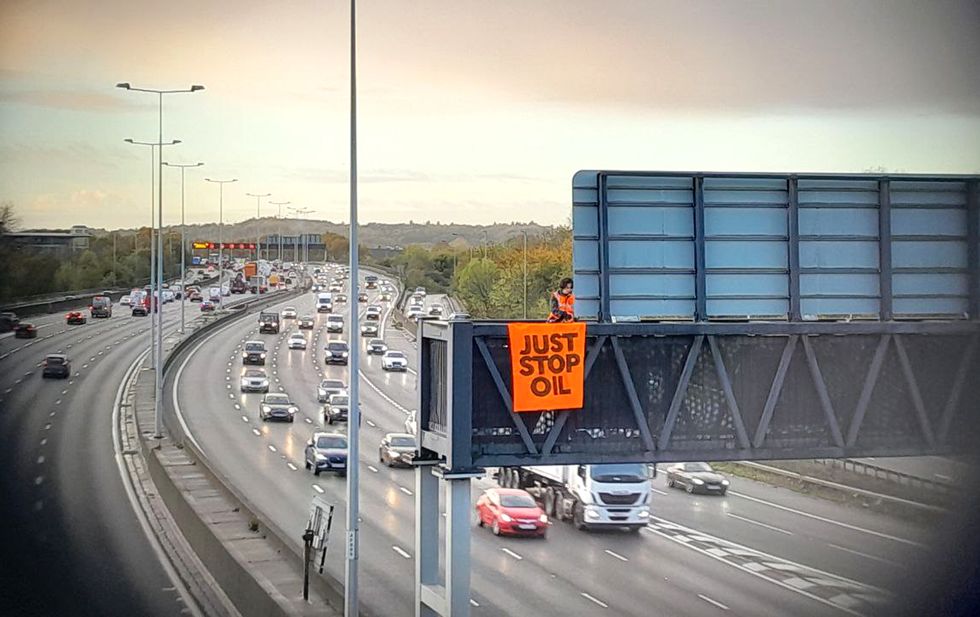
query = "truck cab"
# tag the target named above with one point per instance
(590, 496)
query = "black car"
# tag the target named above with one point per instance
(254, 353)
(8, 321)
(376, 347)
(362, 297)
(696, 478)
(336, 409)
(397, 449)
(336, 352)
(27, 330)
(268, 323)
(276, 406)
(327, 452)
(306, 323)
(56, 365)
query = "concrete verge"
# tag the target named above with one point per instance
(255, 567)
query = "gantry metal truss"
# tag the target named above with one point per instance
(660, 392)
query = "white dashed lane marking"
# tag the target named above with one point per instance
(594, 599)
(616, 555)
(512, 554)
(317, 489)
(713, 602)
(401, 552)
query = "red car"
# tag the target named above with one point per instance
(511, 511)
(75, 317)
(207, 306)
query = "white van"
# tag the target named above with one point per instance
(324, 302)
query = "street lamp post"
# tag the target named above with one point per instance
(221, 204)
(258, 225)
(158, 428)
(280, 204)
(183, 239)
(156, 256)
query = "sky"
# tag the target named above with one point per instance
(468, 111)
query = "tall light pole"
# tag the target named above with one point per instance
(351, 603)
(158, 432)
(486, 242)
(183, 238)
(258, 225)
(280, 204)
(221, 204)
(155, 256)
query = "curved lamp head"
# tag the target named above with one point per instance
(195, 88)
(124, 85)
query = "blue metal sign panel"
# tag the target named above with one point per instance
(715, 246)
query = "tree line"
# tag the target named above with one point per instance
(490, 279)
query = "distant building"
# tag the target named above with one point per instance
(58, 243)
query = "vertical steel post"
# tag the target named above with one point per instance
(153, 259)
(885, 249)
(426, 538)
(973, 246)
(183, 250)
(158, 398)
(700, 276)
(458, 530)
(793, 229)
(604, 301)
(351, 605)
(525, 273)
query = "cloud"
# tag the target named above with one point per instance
(72, 100)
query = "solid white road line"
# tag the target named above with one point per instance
(405, 490)
(291, 466)
(131, 494)
(616, 555)
(753, 522)
(317, 488)
(828, 520)
(866, 555)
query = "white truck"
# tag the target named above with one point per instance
(590, 496)
(324, 302)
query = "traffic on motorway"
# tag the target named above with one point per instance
(266, 421)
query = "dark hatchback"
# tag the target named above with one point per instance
(696, 478)
(254, 353)
(56, 365)
(336, 352)
(25, 330)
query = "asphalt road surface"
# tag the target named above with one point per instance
(759, 550)
(70, 541)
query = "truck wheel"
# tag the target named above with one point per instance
(578, 517)
(549, 502)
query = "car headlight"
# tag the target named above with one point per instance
(698, 481)
(343, 354)
(724, 482)
(266, 408)
(264, 382)
(505, 517)
(643, 513)
(293, 410)
(244, 355)
(591, 513)
(543, 518)
(319, 457)
(262, 355)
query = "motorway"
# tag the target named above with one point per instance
(760, 550)
(71, 542)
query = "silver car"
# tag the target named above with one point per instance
(254, 380)
(397, 449)
(297, 341)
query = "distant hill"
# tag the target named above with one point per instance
(370, 234)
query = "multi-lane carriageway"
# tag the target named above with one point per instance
(69, 540)
(758, 551)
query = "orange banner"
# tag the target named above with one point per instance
(547, 363)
